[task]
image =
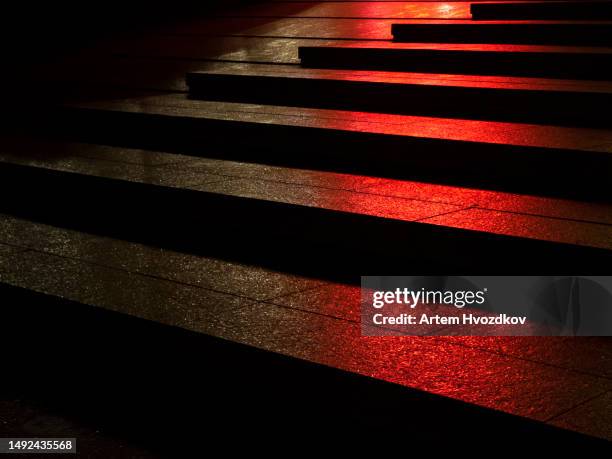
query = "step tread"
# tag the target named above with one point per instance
(407, 78)
(558, 102)
(472, 47)
(65, 156)
(569, 62)
(542, 10)
(226, 278)
(517, 216)
(283, 50)
(543, 32)
(502, 22)
(87, 269)
(348, 9)
(321, 28)
(488, 132)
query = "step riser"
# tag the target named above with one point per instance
(527, 106)
(552, 65)
(577, 173)
(584, 10)
(294, 237)
(509, 33)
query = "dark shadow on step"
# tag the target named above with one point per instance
(64, 37)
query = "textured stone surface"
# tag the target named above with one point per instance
(373, 29)
(496, 200)
(591, 355)
(235, 278)
(51, 275)
(345, 201)
(513, 385)
(129, 155)
(547, 207)
(131, 172)
(319, 325)
(223, 276)
(409, 78)
(505, 383)
(6, 249)
(288, 36)
(277, 50)
(559, 379)
(27, 234)
(429, 191)
(418, 10)
(28, 147)
(592, 418)
(282, 174)
(163, 301)
(489, 132)
(334, 300)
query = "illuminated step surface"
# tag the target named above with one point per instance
(512, 155)
(295, 218)
(358, 10)
(188, 286)
(517, 60)
(524, 32)
(572, 10)
(171, 323)
(458, 96)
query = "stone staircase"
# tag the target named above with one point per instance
(203, 223)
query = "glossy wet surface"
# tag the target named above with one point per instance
(564, 381)
(516, 215)
(597, 140)
(548, 379)
(471, 81)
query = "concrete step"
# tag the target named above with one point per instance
(308, 375)
(513, 156)
(570, 10)
(585, 33)
(507, 60)
(318, 229)
(559, 102)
